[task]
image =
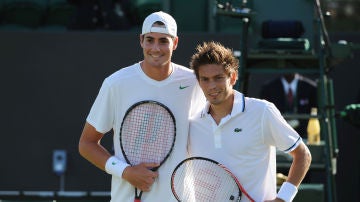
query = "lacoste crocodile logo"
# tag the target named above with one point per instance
(237, 130)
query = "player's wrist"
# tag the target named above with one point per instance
(115, 166)
(287, 192)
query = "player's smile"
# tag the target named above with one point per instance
(156, 55)
(214, 95)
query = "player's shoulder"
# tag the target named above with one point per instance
(182, 68)
(126, 70)
(184, 74)
(123, 73)
(257, 103)
(259, 107)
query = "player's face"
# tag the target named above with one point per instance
(216, 84)
(158, 48)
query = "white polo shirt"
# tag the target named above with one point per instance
(245, 141)
(180, 92)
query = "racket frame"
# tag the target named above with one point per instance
(240, 187)
(138, 196)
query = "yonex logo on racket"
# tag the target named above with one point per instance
(183, 87)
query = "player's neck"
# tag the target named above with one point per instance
(219, 111)
(157, 73)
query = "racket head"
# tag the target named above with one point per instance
(201, 179)
(147, 133)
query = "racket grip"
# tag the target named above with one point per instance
(137, 200)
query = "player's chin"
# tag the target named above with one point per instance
(213, 101)
(159, 63)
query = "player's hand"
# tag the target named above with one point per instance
(141, 176)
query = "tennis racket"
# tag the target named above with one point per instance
(202, 180)
(147, 135)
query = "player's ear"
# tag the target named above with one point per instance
(175, 42)
(141, 37)
(233, 78)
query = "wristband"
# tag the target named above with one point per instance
(287, 192)
(115, 167)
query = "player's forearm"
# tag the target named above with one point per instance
(90, 147)
(300, 165)
(94, 153)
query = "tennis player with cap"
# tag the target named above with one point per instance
(153, 78)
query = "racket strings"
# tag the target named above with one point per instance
(147, 133)
(199, 180)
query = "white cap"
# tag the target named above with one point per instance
(170, 24)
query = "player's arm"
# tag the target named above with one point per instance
(91, 149)
(299, 167)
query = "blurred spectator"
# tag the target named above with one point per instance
(291, 94)
(99, 14)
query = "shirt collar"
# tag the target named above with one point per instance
(238, 106)
(239, 103)
(292, 84)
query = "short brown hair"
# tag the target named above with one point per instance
(214, 53)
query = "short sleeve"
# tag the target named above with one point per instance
(277, 131)
(101, 115)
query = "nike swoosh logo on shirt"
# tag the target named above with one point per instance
(182, 87)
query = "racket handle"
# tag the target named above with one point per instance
(137, 200)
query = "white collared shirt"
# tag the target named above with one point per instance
(245, 141)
